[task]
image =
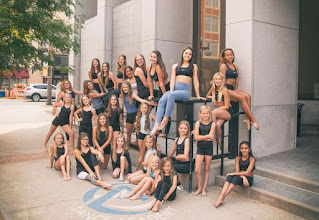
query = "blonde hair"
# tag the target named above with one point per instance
(154, 147)
(221, 88)
(139, 116)
(184, 122)
(149, 167)
(143, 67)
(114, 156)
(67, 94)
(203, 108)
(62, 85)
(53, 146)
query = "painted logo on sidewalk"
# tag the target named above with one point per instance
(114, 202)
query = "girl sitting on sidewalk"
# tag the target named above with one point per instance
(59, 156)
(147, 185)
(244, 167)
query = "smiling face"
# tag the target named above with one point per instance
(104, 67)
(67, 98)
(90, 85)
(218, 80)
(59, 139)
(205, 114)
(113, 101)
(154, 163)
(167, 167)
(144, 108)
(129, 73)
(66, 84)
(120, 142)
(120, 60)
(139, 60)
(85, 100)
(244, 149)
(85, 140)
(153, 58)
(183, 129)
(229, 56)
(95, 63)
(187, 55)
(125, 88)
(149, 143)
(102, 120)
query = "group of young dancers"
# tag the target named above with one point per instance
(133, 89)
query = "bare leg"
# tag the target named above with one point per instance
(129, 134)
(221, 197)
(104, 185)
(208, 159)
(219, 124)
(152, 204)
(106, 160)
(115, 134)
(68, 130)
(123, 166)
(155, 129)
(146, 186)
(137, 188)
(68, 165)
(198, 170)
(156, 206)
(47, 137)
(97, 171)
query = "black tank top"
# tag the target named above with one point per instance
(216, 96)
(103, 138)
(244, 164)
(204, 130)
(64, 113)
(87, 117)
(94, 75)
(180, 147)
(139, 82)
(87, 159)
(72, 95)
(115, 118)
(231, 74)
(184, 71)
(59, 152)
(119, 75)
(110, 84)
(154, 77)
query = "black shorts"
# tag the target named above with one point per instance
(116, 127)
(144, 171)
(107, 149)
(99, 111)
(143, 93)
(205, 150)
(58, 122)
(231, 112)
(230, 87)
(141, 136)
(131, 117)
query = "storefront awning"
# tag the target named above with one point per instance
(22, 74)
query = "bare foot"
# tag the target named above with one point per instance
(204, 193)
(44, 149)
(247, 123)
(152, 204)
(155, 129)
(217, 203)
(69, 178)
(49, 166)
(106, 185)
(197, 192)
(135, 197)
(65, 178)
(255, 124)
(155, 208)
(129, 195)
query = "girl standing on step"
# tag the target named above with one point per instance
(115, 116)
(129, 100)
(147, 185)
(64, 119)
(166, 185)
(150, 148)
(230, 71)
(102, 138)
(121, 160)
(182, 75)
(121, 64)
(86, 162)
(129, 76)
(95, 97)
(140, 74)
(87, 112)
(59, 156)
(243, 175)
(93, 74)
(204, 135)
(220, 98)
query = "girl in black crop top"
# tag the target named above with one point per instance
(106, 78)
(59, 156)
(243, 175)
(140, 74)
(156, 72)
(230, 71)
(93, 74)
(121, 64)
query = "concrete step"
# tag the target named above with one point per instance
(292, 199)
(309, 129)
(288, 179)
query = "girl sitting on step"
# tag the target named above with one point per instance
(243, 175)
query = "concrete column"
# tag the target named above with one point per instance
(264, 36)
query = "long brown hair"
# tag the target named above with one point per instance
(62, 85)
(105, 79)
(53, 146)
(139, 116)
(86, 87)
(81, 136)
(129, 93)
(98, 126)
(160, 63)
(125, 69)
(171, 172)
(222, 56)
(143, 67)
(98, 66)
(191, 63)
(109, 106)
(119, 67)
(114, 154)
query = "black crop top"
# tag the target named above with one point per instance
(231, 74)
(154, 77)
(180, 147)
(139, 82)
(184, 71)
(94, 75)
(216, 96)
(119, 75)
(244, 164)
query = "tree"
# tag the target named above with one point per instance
(26, 23)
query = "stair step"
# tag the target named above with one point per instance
(292, 199)
(288, 179)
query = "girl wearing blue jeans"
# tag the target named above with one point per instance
(182, 75)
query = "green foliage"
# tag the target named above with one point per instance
(26, 23)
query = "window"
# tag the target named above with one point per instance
(211, 23)
(41, 86)
(212, 3)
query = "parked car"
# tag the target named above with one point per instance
(38, 91)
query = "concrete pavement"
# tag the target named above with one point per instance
(29, 190)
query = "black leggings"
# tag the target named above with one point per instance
(162, 189)
(181, 167)
(237, 180)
